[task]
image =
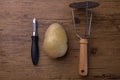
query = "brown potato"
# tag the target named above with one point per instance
(55, 41)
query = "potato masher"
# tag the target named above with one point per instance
(87, 6)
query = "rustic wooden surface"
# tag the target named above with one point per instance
(15, 41)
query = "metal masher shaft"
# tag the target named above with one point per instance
(87, 19)
(73, 18)
(88, 22)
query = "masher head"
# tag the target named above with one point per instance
(82, 5)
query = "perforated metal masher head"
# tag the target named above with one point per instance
(84, 5)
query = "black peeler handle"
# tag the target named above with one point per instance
(35, 50)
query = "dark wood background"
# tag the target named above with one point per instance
(15, 41)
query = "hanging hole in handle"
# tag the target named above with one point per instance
(82, 71)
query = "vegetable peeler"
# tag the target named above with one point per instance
(87, 6)
(34, 46)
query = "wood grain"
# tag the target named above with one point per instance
(15, 41)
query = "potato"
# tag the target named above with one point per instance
(55, 41)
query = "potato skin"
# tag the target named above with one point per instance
(55, 41)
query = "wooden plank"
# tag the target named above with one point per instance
(15, 40)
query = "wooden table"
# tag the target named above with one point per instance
(15, 41)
